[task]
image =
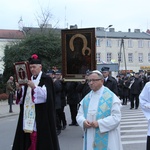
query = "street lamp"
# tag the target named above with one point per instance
(105, 29)
(108, 27)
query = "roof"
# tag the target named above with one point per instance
(33, 30)
(126, 35)
(99, 32)
(11, 34)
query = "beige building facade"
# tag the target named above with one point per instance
(8, 37)
(131, 50)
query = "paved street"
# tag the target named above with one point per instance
(4, 109)
(133, 129)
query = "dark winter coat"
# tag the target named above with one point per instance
(58, 90)
(83, 89)
(126, 84)
(137, 86)
(111, 83)
(120, 87)
(63, 94)
(72, 93)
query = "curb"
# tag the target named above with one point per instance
(8, 115)
(4, 109)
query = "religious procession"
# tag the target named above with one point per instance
(94, 97)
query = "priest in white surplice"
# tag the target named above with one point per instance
(145, 106)
(99, 115)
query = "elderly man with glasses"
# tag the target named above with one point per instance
(99, 115)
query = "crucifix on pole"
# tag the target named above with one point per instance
(120, 53)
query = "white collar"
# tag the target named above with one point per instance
(99, 92)
(38, 78)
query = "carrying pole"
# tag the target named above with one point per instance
(122, 47)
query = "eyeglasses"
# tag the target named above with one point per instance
(93, 80)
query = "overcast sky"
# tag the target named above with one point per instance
(122, 14)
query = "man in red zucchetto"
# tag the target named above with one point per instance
(36, 129)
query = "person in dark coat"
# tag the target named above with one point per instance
(125, 90)
(10, 91)
(58, 89)
(109, 81)
(136, 86)
(120, 86)
(83, 87)
(63, 104)
(36, 131)
(72, 101)
(62, 98)
(143, 77)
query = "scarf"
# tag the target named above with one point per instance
(29, 112)
(29, 108)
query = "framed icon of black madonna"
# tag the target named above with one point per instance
(22, 72)
(78, 53)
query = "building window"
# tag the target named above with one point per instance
(109, 55)
(108, 43)
(130, 45)
(140, 44)
(98, 42)
(130, 57)
(148, 57)
(140, 57)
(98, 57)
(119, 57)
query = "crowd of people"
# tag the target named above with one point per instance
(126, 86)
(43, 99)
(130, 86)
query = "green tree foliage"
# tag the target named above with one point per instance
(46, 45)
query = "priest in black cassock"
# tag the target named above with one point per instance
(36, 129)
